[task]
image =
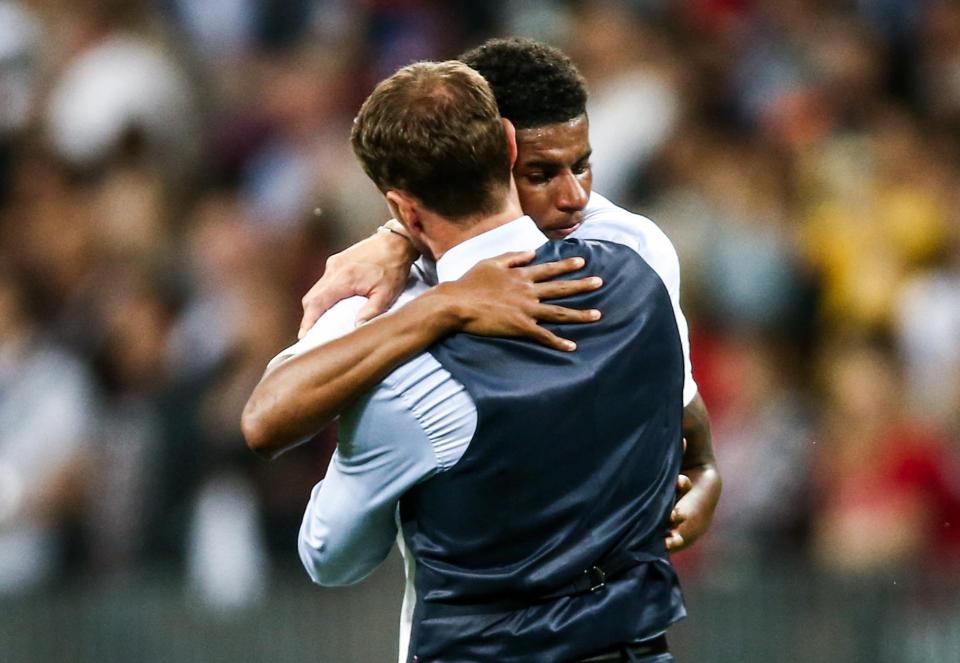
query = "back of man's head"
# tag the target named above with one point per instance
(534, 84)
(432, 130)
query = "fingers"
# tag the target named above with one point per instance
(347, 280)
(549, 270)
(684, 484)
(562, 314)
(379, 301)
(514, 258)
(319, 300)
(674, 541)
(370, 310)
(309, 319)
(549, 339)
(555, 289)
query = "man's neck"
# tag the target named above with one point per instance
(460, 234)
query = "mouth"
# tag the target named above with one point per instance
(565, 225)
(561, 233)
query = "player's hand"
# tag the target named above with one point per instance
(675, 540)
(693, 512)
(504, 296)
(376, 268)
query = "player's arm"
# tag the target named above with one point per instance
(349, 527)
(700, 484)
(498, 297)
(384, 450)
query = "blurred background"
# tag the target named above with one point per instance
(173, 174)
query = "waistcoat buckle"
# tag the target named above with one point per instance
(596, 577)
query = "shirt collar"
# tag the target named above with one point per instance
(519, 235)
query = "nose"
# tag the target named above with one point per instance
(572, 196)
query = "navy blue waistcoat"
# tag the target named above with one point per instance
(573, 466)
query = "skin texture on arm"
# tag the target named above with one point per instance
(498, 297)
(699, 485)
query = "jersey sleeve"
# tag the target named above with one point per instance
(605, 221)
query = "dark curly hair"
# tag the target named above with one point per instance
(535, 84)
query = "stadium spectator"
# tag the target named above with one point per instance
(47, 422)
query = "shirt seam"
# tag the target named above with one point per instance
(410, 406)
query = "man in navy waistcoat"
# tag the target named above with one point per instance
(534, 485)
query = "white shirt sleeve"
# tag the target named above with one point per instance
(418, 422)
(336, 322)
(348, 527)
(605, 221)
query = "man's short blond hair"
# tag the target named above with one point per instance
(433, 131)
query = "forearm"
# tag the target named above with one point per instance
(339, 543)
(705, 488)
(349, 524)
(699, 438)
(301, 395)
(694, 511)
(699, 462)
(497, 297)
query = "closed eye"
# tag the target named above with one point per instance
(583, 164)
(538, 177)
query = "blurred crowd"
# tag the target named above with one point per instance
(173, 175)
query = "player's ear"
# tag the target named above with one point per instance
(405, 209)
(511, 133)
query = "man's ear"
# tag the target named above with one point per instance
(406, 210)
(511, 133)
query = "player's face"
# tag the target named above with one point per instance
(553, 174)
